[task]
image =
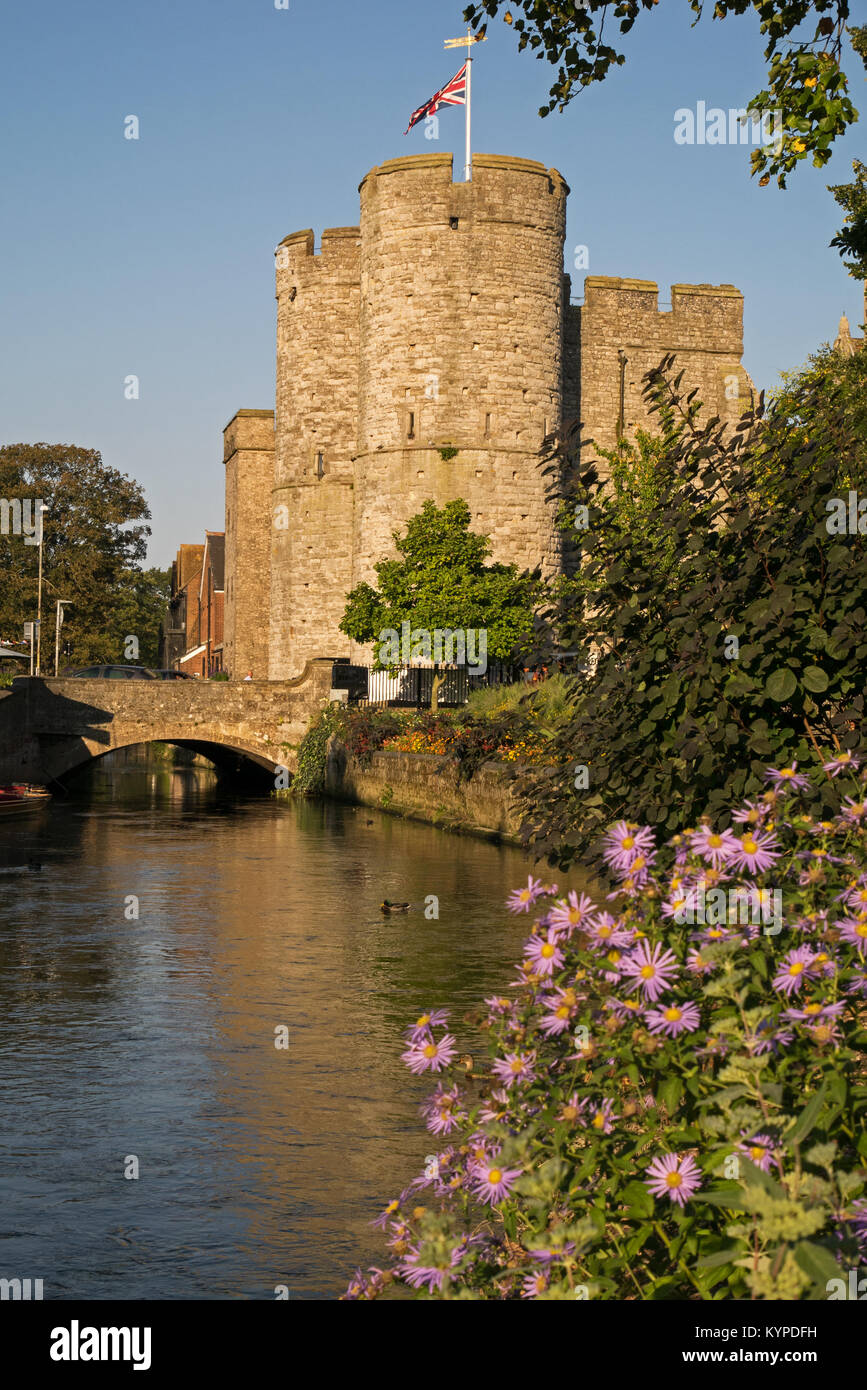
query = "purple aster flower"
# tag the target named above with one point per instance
(673, 1019)
(813, 1011)
(515, 1066)
(385, 1216)
(856, 896)
(752, 813)
(787, 779)
(793, 970)
(495, 1110)
(858, 985)
(554, 1254)
(423, 1024)
(544, 952)
(567, 917)
(756, 852)
(522, 899)
(623, 843)
(653, 971)
(676, 1176)
(767, 1038)
(500, 1006)
(823, 963)
(561, 1010)
(598, 1115)
(716, 846)
(535, 1284)
(604, 933)
(760, 1151)
(853, 810)
(430, 1055)
(842, 762)
(696, 964)
(626, 1008)
(442, 1110)
(859, 1221)
(824, 1032)
(714, 1047)
(494, 1183)
(854, 931)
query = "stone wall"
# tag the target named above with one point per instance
(704, 327)
(317, 413)
(425, 787)
(50, 727)
(248, 453)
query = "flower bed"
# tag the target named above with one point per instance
(675, 1099)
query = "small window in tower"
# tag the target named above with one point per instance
(410, 428)
(453, 223)
(488, 424)
(545, 427)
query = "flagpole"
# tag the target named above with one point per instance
(467, 43)
(468, 167)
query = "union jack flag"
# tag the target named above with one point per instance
(454, 93)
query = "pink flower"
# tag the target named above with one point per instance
(604, 934)
(787, 778)
(624, 843)
(673, 1019)
(716, 846)
(676, 1176)
(429, 1055)
(842, 762)
(435, 1018)
(544, 952)
(515, 1066)
(597, 1115)
(793, 970)
(493, 1183)
(523, 898)
(760, 1151)
(854, 930)
(653, 971)
(576, 912)
(755, 852)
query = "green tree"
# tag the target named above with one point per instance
(138, 609)
(748, 651)
(94, 540)
(806, 82)
(441, 581)
(852, 197)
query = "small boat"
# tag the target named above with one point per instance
(22, 797)
(31, 790)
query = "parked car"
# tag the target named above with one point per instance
(173, 675)
(118, 673)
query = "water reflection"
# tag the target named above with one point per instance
(154, 1035)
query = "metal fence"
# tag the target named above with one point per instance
(411, 687)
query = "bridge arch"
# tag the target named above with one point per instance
(49, 728)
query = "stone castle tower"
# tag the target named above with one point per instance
(426, 354)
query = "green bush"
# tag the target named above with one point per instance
(730, 624)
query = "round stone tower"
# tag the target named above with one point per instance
(316, 423)
(460, 350)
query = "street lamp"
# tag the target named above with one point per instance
(40, 509)
(61, 602)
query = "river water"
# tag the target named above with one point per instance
(148, 1044)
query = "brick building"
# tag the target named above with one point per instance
(426, 353)
(192, 635)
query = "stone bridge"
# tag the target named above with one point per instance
(49, 728)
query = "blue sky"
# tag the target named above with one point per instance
(155, 257)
